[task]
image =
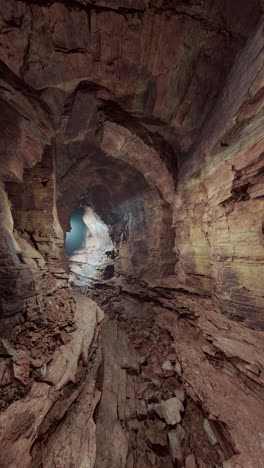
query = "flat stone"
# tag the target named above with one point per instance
(175, 447)
(170, 410)
(209, 432)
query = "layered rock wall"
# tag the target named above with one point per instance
(144, 52)
(218, 211)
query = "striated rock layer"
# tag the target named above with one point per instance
(34, 430)
(183, 345)
(218, 211)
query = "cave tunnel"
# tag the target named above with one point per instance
(131, 234)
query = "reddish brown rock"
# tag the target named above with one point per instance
(150, 113)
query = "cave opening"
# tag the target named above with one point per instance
(75, 237)
(90, 259)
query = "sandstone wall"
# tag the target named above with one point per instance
(218, 211)
(91, 97)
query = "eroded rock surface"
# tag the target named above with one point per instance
(53, 424)
(151, 114)
(214, 360)
(137, 428)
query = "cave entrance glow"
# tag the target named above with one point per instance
(89, 248)
(75, 238)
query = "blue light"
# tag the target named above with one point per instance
(75, 238)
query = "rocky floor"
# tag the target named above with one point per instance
(145, 418)
(164, 380)
(181, 379)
